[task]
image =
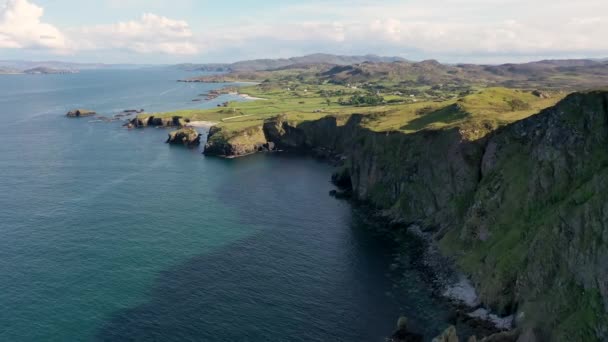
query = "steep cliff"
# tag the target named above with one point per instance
(521, 209)
(535, 238)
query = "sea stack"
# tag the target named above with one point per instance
(187, 136)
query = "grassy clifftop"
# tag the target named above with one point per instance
(475, 114)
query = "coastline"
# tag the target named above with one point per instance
(249, 97)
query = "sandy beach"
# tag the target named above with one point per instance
(247, 97)
(201, 124)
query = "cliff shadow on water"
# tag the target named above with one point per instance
(312, 269)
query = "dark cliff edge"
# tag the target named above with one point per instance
(142, 121)
(523, 211)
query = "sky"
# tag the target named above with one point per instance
(202, 31)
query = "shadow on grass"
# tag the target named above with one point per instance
(446, 115)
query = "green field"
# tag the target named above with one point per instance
(485, 107)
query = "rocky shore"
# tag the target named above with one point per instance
(519, 210)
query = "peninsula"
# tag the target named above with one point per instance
(502, 166)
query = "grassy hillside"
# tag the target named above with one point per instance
(273, 64)
(489, 108)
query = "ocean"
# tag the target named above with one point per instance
(109, 234)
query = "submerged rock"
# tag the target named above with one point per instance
(130, 111)
(341, 194)
(402, 334)
(186, 136)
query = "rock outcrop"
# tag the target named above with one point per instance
(236, 144)
(186, 136)
(152, 121)
(522, 210)
(403, 334)
(449, 335)
(80, 112)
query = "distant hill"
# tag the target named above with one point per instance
(211, 67)
(6, 70)
(282, 63)
(319, 58)
(21, 66)
(25, 65)
(48, 71)
(580, 73)
(573, 74)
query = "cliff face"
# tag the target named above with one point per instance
(523, 210)
(151, 121)
(536, 235)
(246, 141)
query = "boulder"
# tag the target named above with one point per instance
(402, 334)
(541, 94)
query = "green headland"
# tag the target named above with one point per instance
(504, 167)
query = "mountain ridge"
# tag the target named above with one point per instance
(266, 64)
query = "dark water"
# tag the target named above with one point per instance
(109, 234)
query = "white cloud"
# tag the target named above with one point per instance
(434, 28)
(443, 29)
(21, 27)
(149, 34)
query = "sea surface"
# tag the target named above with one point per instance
(110, 234)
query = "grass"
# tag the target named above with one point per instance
(489, 108)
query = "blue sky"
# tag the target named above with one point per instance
(161, 31)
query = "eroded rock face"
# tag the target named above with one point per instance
(536, 234)
(186, 136)
(151, 121)
(245, 142)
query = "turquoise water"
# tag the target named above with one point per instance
(109, 234)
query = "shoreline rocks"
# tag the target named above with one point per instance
(133, 111)
(76, 113)
(152, 121)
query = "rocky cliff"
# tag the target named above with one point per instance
(186, 136)
(522, 209)
(535, 237)
(152, 121)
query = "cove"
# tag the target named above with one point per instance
(110, 234)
